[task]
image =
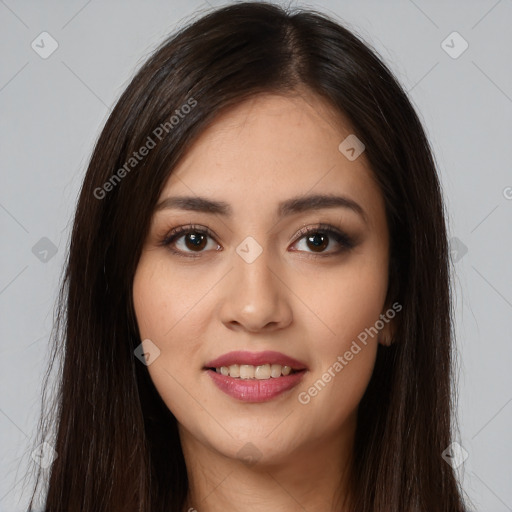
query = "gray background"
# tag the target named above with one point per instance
(53, 109)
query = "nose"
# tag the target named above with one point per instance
(257, 297)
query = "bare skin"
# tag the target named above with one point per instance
(308, 303)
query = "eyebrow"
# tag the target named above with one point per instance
(285, 208)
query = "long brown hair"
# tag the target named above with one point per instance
(117, 443)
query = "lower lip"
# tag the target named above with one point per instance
(255, 390)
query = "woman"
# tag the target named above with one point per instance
(256, 309)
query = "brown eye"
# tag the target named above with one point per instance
(319, 238)
(195, 241)
(318, 241)
(186, 240)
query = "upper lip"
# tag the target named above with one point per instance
(255, 359)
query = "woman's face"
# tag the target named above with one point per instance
(256, 269)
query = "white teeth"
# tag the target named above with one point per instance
(246, 371)
(262, 372)
(249, 371)
(234, 370)
(275, 370)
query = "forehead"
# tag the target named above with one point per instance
(271, 147)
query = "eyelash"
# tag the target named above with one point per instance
(345, 241)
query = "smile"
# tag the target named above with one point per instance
(255, 376)
(249, 371)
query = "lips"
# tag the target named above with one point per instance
(253, 389)
(255, 359)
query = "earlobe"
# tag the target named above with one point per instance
(386, 336)
(386, 340)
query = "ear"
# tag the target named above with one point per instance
(387, 334)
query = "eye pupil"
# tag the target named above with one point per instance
(197, 240)
(319, 241)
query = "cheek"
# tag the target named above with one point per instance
(169, 312)
(344, 301)
(332, 396)
(347, 303)
(166, 302)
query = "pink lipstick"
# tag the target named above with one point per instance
(255, 376)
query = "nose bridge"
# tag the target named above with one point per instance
(257, 297)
